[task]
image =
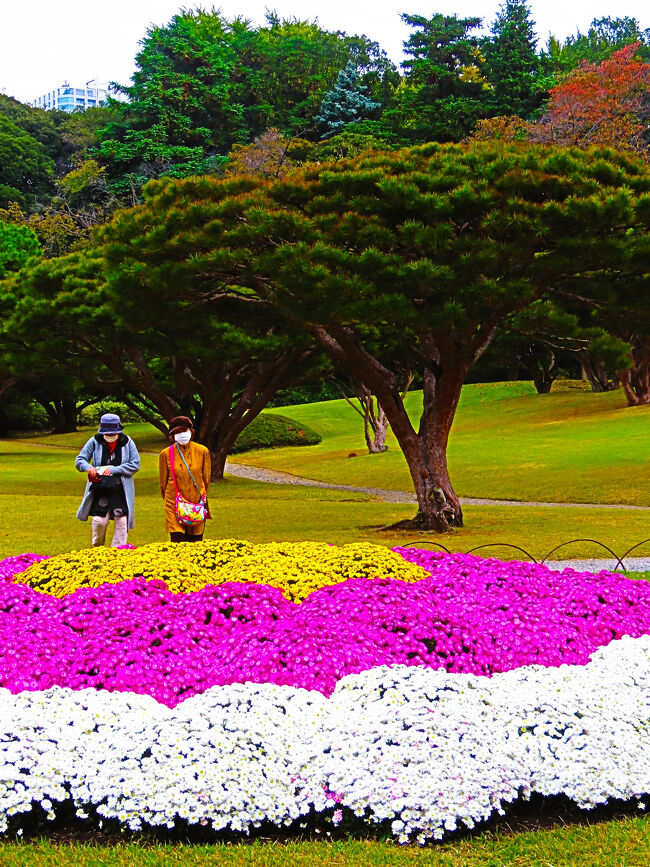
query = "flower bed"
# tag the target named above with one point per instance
(331, 687)
(14, 565)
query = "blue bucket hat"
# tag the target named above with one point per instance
(110, 423)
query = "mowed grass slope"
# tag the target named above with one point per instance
(507, 442)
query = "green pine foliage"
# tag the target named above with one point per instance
(444, 89)
(409, 258)
(17, 245)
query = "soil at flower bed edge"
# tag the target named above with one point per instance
(537, 814)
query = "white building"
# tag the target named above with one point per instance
(69, 97)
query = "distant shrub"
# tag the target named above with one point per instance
(269, 431)
(91, 414)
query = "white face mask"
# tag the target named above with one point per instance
(184, 437)
(110, 438)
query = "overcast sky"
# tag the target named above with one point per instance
(44, 42)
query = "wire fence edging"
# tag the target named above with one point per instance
(619, 560)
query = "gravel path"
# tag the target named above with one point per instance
(632, 564)
(259, 474)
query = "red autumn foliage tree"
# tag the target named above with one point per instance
(600, 104)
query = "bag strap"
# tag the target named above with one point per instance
(186, 467)
(171, 463)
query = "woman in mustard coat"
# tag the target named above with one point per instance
(197, 457)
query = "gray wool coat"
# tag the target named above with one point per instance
(91, 456)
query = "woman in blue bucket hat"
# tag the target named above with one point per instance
(111, 459)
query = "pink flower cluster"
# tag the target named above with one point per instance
(472, 615)
(13, 565)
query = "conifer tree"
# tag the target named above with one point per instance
(444, 89)
(219, 362)
(512, 63)
(347, 102)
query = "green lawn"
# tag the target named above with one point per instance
(624, 843)
(507, 442)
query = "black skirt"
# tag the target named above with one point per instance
(109, 501)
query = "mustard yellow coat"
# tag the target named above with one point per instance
(198, 459)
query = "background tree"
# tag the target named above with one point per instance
(347, 102)
(17, 245)
(358, 138)
(548, 337)
(204, 84)
(428, 249)
(605, 36)
(182, 109)
(70, 194)
(26, 169)
(119, 318)
(444, 90)
(24, 366)
(624, 313)
(606, 104)
(42, 126)
(288, 66)
(502, 128)
(375, 421)
(512, 64)
(270, 155)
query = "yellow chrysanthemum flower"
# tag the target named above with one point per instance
(296, 568)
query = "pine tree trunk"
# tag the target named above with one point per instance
(439, 508)
(448, 358)
(219, 433)
(218, 456)
(543, 381)
(425, 451)
(595, 372)
(381, 429)
(544, 370)
(438, 505)
(636, 380)
(63, 414)
(375, 427)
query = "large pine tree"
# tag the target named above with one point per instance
(413, 258)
